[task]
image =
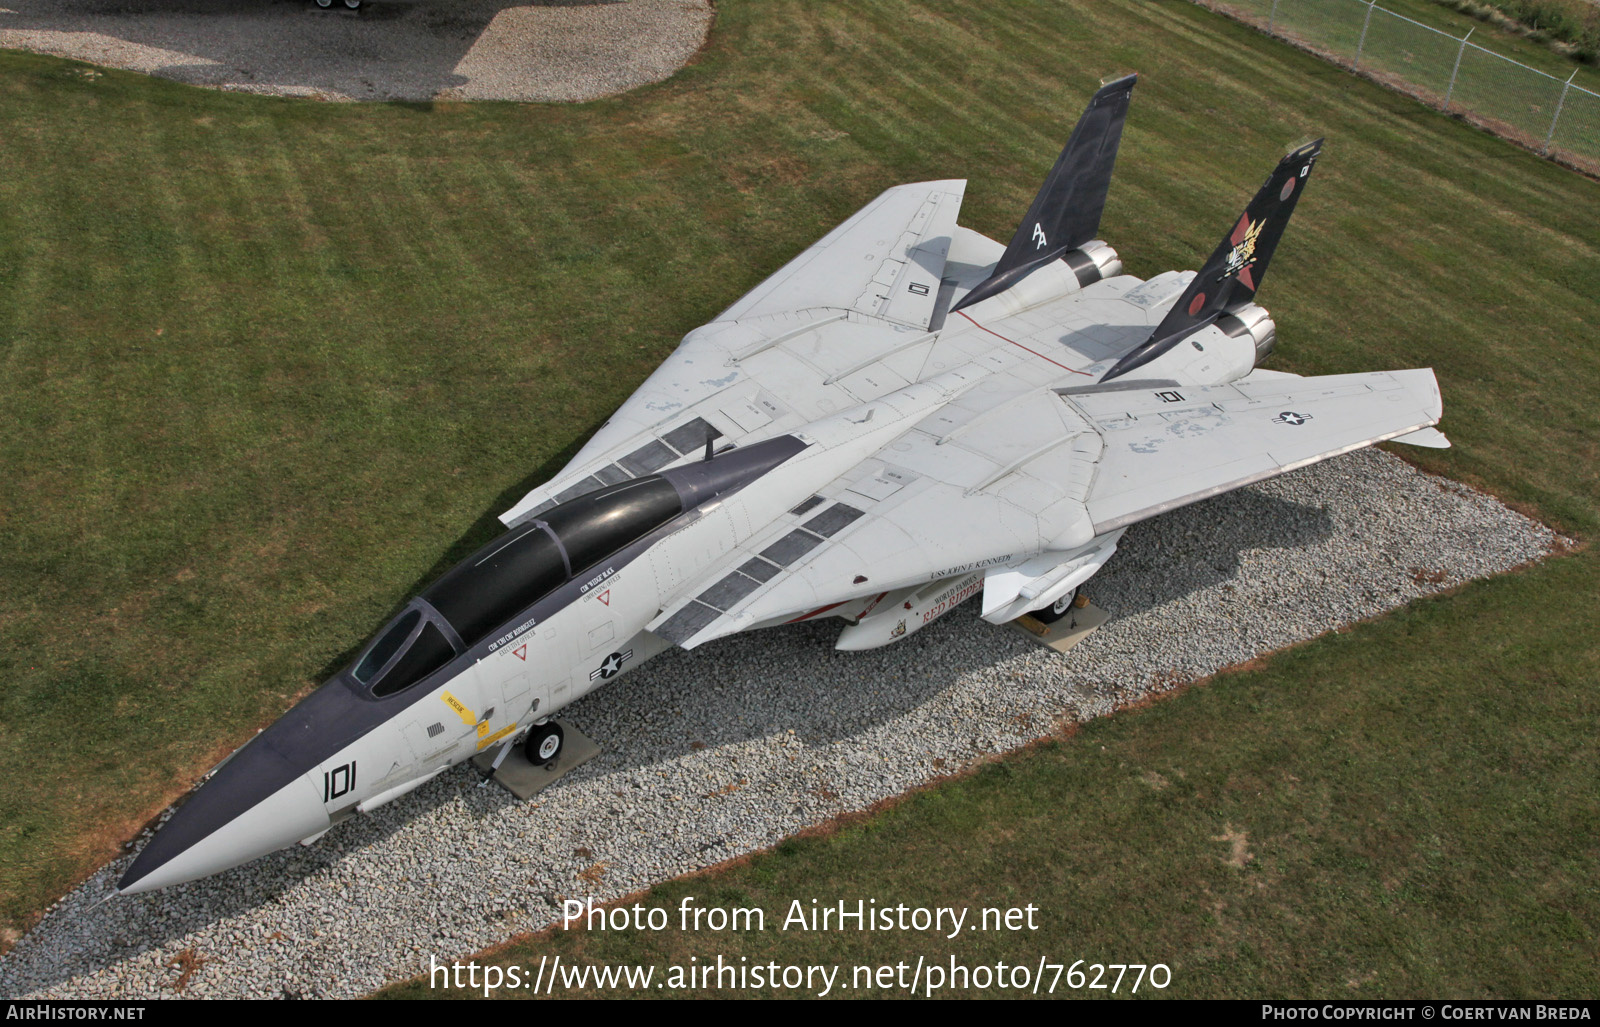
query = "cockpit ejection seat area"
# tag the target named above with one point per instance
(507, 576)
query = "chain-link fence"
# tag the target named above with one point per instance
(1559, 118)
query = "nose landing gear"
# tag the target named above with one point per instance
(544, 743)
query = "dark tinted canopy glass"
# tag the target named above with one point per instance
(509, 574)
(594, 526)
(430, 651)
(498, 580)
(386, 646)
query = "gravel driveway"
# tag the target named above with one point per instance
(425, 50)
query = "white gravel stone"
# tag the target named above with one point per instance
(730, 748)
(424, 50)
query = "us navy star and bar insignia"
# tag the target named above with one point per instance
(611, 666)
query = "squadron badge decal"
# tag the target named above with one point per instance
(1243, 238)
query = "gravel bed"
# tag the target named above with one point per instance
(728, 749)
(426, 50)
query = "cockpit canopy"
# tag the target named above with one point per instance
(420, 653)
(510, 574)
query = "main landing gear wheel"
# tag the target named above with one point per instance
(544, 743)
(1057, 610)
(324, 4)
(354, 5)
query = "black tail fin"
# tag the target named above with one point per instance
(1231, 277)
(1066, 213)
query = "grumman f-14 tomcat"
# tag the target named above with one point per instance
(906, 415)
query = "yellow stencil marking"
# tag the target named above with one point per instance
(461, 710)
(484, 743)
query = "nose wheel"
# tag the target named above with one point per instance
(544, 743)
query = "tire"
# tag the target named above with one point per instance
(544, 744)
(354, 5)
(324, 4)
(1057, 610)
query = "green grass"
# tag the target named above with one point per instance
(270, 365)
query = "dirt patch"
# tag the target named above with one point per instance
(1239, 854)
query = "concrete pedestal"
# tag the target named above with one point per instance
(525, 779)
(1066, 632)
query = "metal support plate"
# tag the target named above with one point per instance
(1066, 632)
(525, 779)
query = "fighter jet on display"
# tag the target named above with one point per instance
(907, 415)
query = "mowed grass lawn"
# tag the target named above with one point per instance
(269, 365)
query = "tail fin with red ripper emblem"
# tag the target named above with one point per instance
(1231, 277)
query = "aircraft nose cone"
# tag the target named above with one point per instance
(229, 821)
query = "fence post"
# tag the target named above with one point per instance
(1365, 22)
(1557, 117)
(1453, 71)
(1272, 19)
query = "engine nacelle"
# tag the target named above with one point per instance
(1093, 261)
(1076, 270)
(1254, 323)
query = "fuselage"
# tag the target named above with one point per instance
(559, 604)
(531, 622)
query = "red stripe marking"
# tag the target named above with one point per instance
(1020, 346)
(1240, 229)
(820, 609)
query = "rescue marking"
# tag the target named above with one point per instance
(521, 653)
(461, 710)
(605, 597)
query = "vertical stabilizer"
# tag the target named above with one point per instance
(1231, 277)
(1066, 213)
